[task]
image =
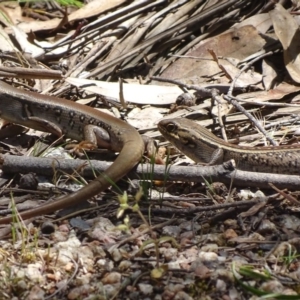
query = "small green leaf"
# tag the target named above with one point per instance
(260, 293)
(247, 271)
(159, 272)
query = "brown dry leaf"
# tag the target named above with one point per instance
(287, 31)
(277, 93)
(234, 43)
(262, 22)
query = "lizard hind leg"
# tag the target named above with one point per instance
(94, 137)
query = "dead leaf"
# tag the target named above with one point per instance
(234, 43)
(94, 8)
(287, 31)
(134, 93)
(269, 74)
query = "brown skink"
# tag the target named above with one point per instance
(76, 121)
(202, 146)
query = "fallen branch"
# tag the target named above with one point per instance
(221, 173)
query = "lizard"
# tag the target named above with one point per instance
(76, 121)
(204, 147)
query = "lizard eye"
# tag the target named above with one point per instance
(171, 127)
